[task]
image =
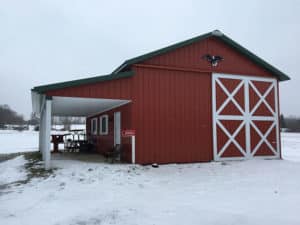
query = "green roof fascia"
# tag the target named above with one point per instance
(281, 76)
(49, 87)
(161, 51)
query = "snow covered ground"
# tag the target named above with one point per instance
(12, 170)
(18, 141)
(291, 146)
(85, 193)
(26, 141)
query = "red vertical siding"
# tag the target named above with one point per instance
(172, 116)
(171, 108)
(190, 57)
(113, 89)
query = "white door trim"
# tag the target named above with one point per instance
(247, 117)
(117, 128)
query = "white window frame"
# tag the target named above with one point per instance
(94, 131)
(100, 123)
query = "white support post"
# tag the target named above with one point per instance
(40, 110)
(40, 133)
(47, 130)
(133, 149)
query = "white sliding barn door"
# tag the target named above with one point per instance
(245, 117)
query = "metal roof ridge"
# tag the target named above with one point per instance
(215, 33)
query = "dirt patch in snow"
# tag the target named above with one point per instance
(21, 169)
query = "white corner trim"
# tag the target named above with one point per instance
(47, 133)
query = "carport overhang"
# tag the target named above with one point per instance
(45, 107)
(74, 106)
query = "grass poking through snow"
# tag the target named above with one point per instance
(33, 168)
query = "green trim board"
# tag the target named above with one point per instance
(54, 86)
(216, 33)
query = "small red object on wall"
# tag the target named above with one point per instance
(128, 133)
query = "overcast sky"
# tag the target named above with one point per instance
(58, 40)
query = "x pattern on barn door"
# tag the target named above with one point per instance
(245, 117)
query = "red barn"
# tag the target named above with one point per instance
(207, 98)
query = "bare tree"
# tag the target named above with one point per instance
(292, 123)
(66, 121)
(33, 120)
(9, 116)
(282, 121)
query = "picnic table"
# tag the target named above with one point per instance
(56, 139)
(74, 141)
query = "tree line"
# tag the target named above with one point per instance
(290, 124)
(9, 116)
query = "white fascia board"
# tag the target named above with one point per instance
(38, 102)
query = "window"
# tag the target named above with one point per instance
(94, 126)
(104, 125)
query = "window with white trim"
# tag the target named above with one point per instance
(94, 126)
(104, 125)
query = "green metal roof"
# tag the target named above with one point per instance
(113, 76)
(118, 73)
(281, 76)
